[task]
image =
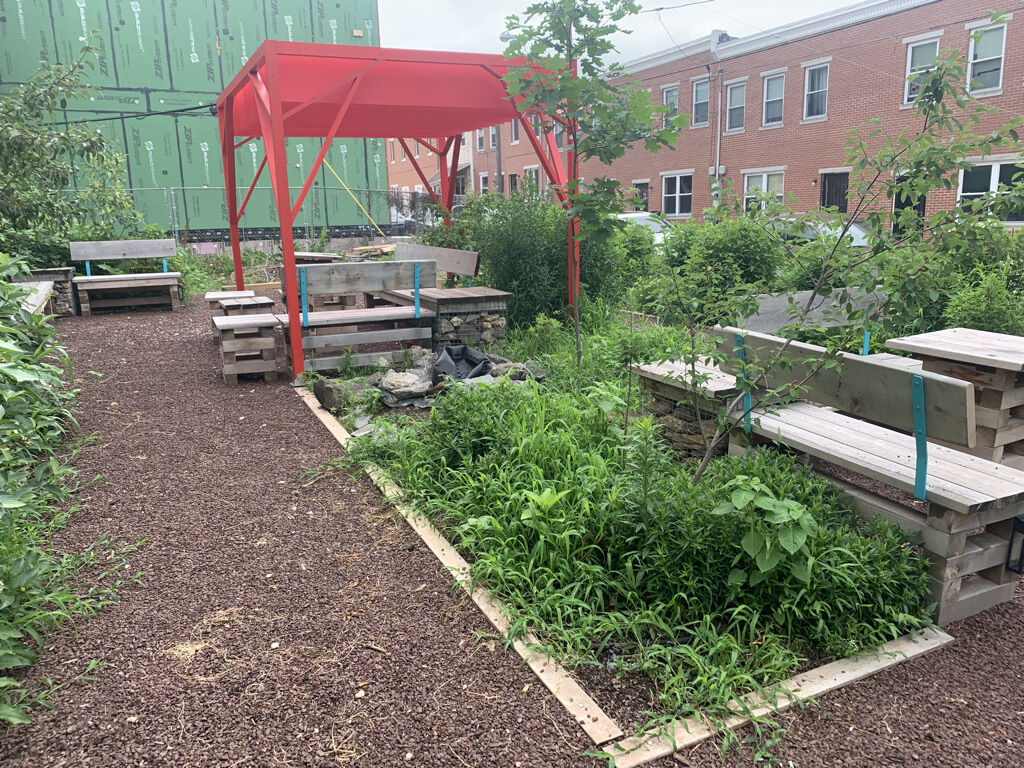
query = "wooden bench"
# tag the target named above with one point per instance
(333, 338)
(213, 298)
(858, 417)
(127, 290)
(248, 344)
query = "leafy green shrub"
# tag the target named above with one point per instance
(734, 250)
(600, 542)
(984, 302)
(37, 585)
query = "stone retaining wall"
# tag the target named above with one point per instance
(63, 300)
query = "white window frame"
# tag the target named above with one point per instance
(671, 88)
(764, 173)
(974, 30)
(419, 189)
(706, 81)
(514, 132)
(479, 139)
(808, 68)
(678, 196)
(392, 144)
(533, 171)
(911, 45)
(995, 165)
(405, 155)
(483, 183)
(764, 99)
(729, 127)
(416, 149)
(493, 137)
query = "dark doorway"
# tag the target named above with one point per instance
(834, 187)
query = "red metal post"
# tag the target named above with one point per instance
(272, 123)
(456, 143)
(419, 171)
(574, 223)
(227, 149)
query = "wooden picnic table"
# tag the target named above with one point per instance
(994, 363)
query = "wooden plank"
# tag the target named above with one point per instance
(363, 360)
(255, 286)
(584, 710)
(103, 250)
(989, 417)
(359, 316)
(895, 361)
(677, 374)
(37, 296)
(248, 344)
(215, 296)
(877, 392)
(1002, 380)
(242, 322)
(976, 595)
(966, 345)
(136, 281)
(773, 312)
(1001, 400)
(367, 276)
(250, 366)
(950, 470)
(996, 437)
(684, 734)
(448, 259)
(365, 337)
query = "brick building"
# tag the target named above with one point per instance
(774, 110)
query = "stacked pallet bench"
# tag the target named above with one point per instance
(213, 299)
(317, 302)
(127, 290)
(857, 415)
(465, 315)
(994, 363)
(38, 296)
(331, 339)
(248, 344)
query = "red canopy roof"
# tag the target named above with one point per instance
(401, 92)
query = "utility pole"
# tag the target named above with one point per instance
(499, 181)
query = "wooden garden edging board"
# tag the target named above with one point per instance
(602, 729)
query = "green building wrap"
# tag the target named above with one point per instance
(162, 55)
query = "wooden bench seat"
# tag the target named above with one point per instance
(129, 289)
(861, 419)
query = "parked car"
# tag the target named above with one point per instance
(792, 231)
(645, 219)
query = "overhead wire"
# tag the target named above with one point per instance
(211, 108)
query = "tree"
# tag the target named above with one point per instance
(566, 80)
(40, 159)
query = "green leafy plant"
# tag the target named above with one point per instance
(985, 302)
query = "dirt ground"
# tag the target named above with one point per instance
(289, 623)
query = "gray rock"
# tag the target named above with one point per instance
(374, 379)
(382, 363)
(456, 321)
(366, 429)
(405, 385)
(498, 359)
(485, 379)
(335, 394)
(360, 421)
(446, 326)
(417, 353)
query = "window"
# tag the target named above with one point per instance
(736, 97)
(773, 92)
(483, 183)
(901, 201)
(641, 196)
(535, 122)
(677, 194)
(834, 189)
(700, 102)
(416, 149)
(533, 172)
(670, 98)
(758, 183)
(494, 136)
(392, 142)
(986, 57)
(419, 189)
(980, 180)
(480, 140)
(515, 132)
(513, 180)
(462, 141)
(405, 155)
(815, 92)
(920, 61)
(559, 136)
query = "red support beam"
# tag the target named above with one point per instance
(272, 124)
(419, 171)
(243, 141)
(423, 142)
(456, 143)
(252, 186)
(224, 117)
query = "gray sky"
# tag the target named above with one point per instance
(474, 25)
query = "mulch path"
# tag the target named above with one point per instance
(288, 623)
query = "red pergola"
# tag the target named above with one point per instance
(340, 91)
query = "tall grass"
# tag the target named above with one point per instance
(597, 540)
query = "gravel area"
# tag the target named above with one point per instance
(289, 623)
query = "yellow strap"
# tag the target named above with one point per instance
(354, 198)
